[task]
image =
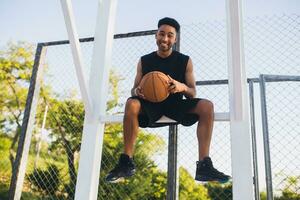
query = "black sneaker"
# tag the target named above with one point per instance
(206, 172)
(125, 168)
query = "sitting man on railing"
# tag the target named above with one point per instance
(140, 112)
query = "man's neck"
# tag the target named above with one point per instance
(164, 54)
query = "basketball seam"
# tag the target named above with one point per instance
(153, 89)
(166, 89)
(146, 80)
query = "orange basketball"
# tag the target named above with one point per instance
(154, 85)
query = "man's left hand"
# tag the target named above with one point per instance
(176, 86)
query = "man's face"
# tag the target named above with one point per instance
(165, 37)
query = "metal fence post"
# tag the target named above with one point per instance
(172, 163)
(253, 136)
(266, 137)
(172, 181)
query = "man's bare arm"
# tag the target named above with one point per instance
(188, 89)
(135, 91)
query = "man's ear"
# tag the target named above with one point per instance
(177, 37)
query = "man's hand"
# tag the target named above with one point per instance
(138, 92)
(176, 86)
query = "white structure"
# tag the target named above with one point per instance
(238, 105)
(92, 137)
(95, 101)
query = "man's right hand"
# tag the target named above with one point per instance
(138, 92)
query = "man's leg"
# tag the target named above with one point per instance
(125, 167)
(205, 169)
(205, 111)
(131, 125)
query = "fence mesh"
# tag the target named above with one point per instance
(271, 46)
(283, 108)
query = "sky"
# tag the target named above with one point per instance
(42, 21)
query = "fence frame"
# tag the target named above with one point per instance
(20, 162)
(263, 78)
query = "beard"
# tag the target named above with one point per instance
(164, 47)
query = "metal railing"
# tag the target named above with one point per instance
(263, 79)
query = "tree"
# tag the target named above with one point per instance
(65, 123)
(46, 181)
(16, 63)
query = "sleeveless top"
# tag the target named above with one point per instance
(174, 65)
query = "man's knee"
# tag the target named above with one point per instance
(205, 107)
(132, 107)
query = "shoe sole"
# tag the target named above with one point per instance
(207, 179)
(121, 178)
(118, 180)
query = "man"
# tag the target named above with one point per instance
(140, 112)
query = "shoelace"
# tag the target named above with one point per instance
(214, 170)
(210, 166)
(120, 166)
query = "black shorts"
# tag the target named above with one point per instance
(177, 110)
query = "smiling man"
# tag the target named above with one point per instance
(141, 113)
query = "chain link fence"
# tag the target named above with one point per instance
(284, 137)
(271, 46)
(281, 113)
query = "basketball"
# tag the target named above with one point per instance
(154, 85)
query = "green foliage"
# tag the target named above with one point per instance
(218, 191)
(5, 170)
(148, 183)
(263, 196)
(291, 191)
(189, 189)
(5, 142)
(288, 195)
(4, 188)
(46, 181)
(16, 63)
(113, 90)
(65, 122)
(70, 190)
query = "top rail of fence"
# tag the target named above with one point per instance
(91, 39)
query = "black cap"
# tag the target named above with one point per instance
(169, 21)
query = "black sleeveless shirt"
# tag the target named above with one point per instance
(174, 65)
